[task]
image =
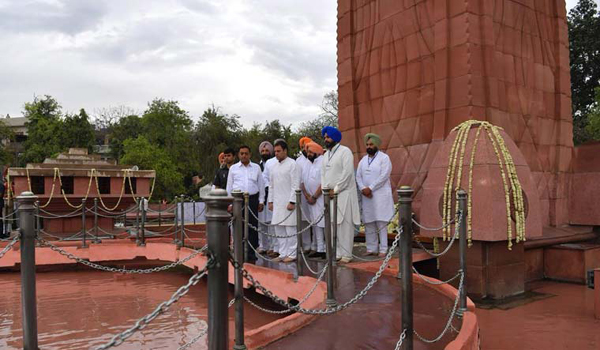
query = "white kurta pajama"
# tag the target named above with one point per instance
(374, 173)
(301, 164)
(311, 178)
(283, 182)
(337, 173)
(266, 242)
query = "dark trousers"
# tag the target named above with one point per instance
(2, 222)
(252, 234)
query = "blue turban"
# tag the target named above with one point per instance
(332, 132)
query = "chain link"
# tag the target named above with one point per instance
(425, 228)
(269, 224)
(311, 224)
(160, 309)
(308, 266)
(452, 315)
(304, 299)
(427, 280)
(10, 245)
(116, 270)
(401, 340)
(196, 338)
(454, 236)
(328, 310)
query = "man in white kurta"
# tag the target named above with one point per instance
(266, 244)
(337, 173)
(312, 194)
(373, 179)
(283, 182)
(301, 163)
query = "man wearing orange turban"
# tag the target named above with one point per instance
(311, 189)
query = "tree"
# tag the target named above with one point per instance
(44, 129)
(6, 136)
(584, 53)
(77, 131)
(147, 156)
(125, 128)
(328, 117)
(106, 118)
(214, 132)
(593, 128)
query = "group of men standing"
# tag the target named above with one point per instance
(272, 186)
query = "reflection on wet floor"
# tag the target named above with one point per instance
(84, 309)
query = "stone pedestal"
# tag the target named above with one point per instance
(492, 270)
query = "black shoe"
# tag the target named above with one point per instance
(319, 256)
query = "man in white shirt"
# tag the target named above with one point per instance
(246, 176)
(267, 244)
(311, 189)
(373, 179)
(302, 162)
(283, 182)
(337, 173)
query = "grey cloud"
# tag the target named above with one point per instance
(200, 6)
(67, 16)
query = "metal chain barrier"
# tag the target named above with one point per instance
(58, 237)
(196, 338)
(402, 337)
(74, 213)
(328, 310)
(379, 230)
(311, 224)
(434, 228)
(10, 245)
(160, 309)
(304, 299)
(269, 224)
(308, 266)
(452, 315)
(437, 283)
(454, 236)
(116, 270)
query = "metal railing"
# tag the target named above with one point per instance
(219, 257)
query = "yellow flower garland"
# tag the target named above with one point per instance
(508, 172)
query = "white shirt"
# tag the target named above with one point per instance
(312, 181)
(246, 178)
(282, 190)
(374, 173)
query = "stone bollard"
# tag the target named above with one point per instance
(330, 301)
(217, 233)
(405, 269)
(238, 251)
(28, 293)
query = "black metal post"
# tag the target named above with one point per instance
(176, 229)
(194, 210)
(38, 227)
(300, 248)
(97, 240)
(182, 240)
(83, 228)
(330, 301)
(28, 293)
(238, 251)
(335, 227)
(462, 247)
(405, 198)
(159, 214)
(144, 205)
(217, 219)
(246, 222)
(137, 221)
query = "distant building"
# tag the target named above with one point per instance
(18, 127)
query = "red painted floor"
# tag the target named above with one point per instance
(564, 321)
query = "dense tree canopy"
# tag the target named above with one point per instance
(584, 46)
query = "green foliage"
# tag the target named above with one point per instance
(127, 127)
(148, 156)
(584, 53)
(77, 131)
(593, 127)
(6, 157)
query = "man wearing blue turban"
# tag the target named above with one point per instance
(337, 173)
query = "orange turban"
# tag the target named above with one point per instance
(315, 147)
(221, 157)
(304, 141)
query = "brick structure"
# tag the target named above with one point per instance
(411, 70)
(76, 168)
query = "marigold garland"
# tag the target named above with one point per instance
(508, 173)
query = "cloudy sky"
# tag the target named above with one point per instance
(260, 59)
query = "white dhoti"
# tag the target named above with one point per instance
(318, 242)
(306, 236)
(289, 245)
(376, 237)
